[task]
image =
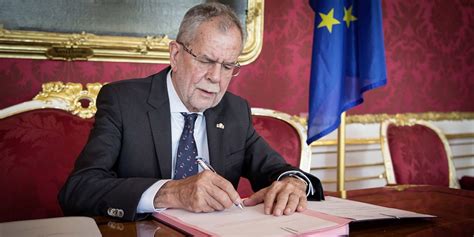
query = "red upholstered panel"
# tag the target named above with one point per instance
(282, 137)
(37, 153)
(418, 155)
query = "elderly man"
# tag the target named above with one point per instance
(141, 154)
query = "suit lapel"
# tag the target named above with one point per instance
(215, 136)
(160, 122)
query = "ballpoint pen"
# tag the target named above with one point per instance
(205, 166)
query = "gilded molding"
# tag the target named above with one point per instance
(301, 120)
(428, 116)
(376, 140)
(349, 141)
(254, 38)
(87, 46)
(464, 156)
(348, 166)
(72, 94)
(459, 135)
(354, 179)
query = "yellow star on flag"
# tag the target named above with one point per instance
(348, 17)
(328, 20)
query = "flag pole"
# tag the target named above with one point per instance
(341, 146)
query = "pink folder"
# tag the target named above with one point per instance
(339, 227)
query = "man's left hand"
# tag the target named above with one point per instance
(282, 197)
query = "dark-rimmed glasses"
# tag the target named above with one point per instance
(206, 63)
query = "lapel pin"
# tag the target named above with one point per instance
(220, 125)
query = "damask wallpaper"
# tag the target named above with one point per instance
(429, 51)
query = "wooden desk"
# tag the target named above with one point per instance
(115, 228)
(454, 208)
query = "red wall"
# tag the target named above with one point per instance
(429, 49)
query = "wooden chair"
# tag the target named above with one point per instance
(416, 152)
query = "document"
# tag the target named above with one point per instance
(322, 218)
(359, 211)
(251, 221)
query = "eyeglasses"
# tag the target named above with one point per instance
(205, 63)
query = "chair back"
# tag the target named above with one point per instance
(286, 135)
(416, 152)
(39, 143)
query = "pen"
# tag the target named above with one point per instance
(205, 166)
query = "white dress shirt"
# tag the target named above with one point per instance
(177, 123)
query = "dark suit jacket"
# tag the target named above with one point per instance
(129, 149)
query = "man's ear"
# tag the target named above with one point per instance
(174, 50)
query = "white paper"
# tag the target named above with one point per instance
(358, 211)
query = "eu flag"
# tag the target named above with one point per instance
(348, 59)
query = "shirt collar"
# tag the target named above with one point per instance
(176, 105)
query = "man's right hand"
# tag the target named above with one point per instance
(204, 192)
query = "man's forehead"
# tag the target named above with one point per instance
(212, 28)
(214, 43)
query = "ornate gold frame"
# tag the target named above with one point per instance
(390, 173)
(86, 46)
(57, 95)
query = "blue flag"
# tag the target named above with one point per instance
(348, 59)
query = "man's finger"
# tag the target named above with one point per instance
(303, 204)
(215, 204)
(270, 197)
(220, 196)
(256, 198)
(293, 201)
(281, 202)
(227, 191)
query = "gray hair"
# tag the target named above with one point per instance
(202, 13)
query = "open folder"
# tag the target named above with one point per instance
(251, 221)
(322, 218)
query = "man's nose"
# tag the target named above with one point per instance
(214, 72)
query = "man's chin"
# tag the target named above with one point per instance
(202, 104)
(201, 107)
